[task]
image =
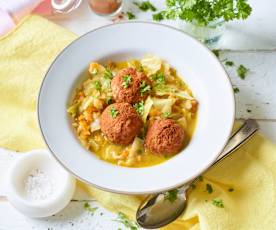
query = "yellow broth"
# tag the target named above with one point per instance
(95, 93)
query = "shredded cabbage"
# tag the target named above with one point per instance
(136, 147)
(161, 90)
(147, 108)
(95, 125)
(164, 105)
(73, 109)
(151, 64)
(85, 103)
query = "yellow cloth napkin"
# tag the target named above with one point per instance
(25, 55)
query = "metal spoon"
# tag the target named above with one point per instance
(157, 211)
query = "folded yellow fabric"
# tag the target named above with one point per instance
(244, 184)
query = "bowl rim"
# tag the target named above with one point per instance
(199, 172)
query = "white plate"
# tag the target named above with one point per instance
(201, 71)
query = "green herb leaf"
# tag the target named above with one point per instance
(126, 81)
(236, 90)
(171, 195)
(200, 178)
(204, 12)
(159, 78)
(216, 52)
(113, 112)
(242, 71)
(158, 17)
(87, 206)
(140, 107)
(108, 74)
(218, 203)
(229, 63)
(130, 15)
(145, 6)
(97, 85)
(144, 88)
(166, 114)
(209, 188)
(123, 219)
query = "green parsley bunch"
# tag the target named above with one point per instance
(203, 12)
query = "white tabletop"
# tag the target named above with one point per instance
(251, 43)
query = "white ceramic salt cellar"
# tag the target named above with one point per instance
(38, 186)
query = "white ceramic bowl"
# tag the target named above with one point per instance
(64, 184)
(201, 71)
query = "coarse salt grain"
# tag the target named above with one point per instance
(38, 185)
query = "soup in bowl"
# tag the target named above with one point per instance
(129, 123)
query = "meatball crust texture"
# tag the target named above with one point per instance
(164, 136)
(120, 123)
(129, 93)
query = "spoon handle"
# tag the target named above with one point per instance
(243, 134)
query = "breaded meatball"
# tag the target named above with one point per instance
(120, 123)
(164, 137)
(130, 86)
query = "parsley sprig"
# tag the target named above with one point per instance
(97, 85)
(158, 78)
(204, 11)
(145, 6)
(144, 88)
(209, 188)
(113, 112)
(242, 71)
(140, 107)
(87, 206)
(126, 81)
(218, 203)
(108, 74)
(130, 15)
(171, 195)
(123, 219)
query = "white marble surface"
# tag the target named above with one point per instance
(251, 43)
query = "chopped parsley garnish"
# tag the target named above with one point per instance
(242, 71)
(159, 78)
(230, 190)
(216, 52)
(171, 195)
(218, 203)
(200, 178)
(229, 63)
(145, 6)
(158, 17)
(166, 114)
(113, 112)
(249, 110)
(130, 15)
(140, 107)
(97, 85)
(144, 88)
(87, 206)
(108, 74)
(209, 188)
(123, 219)
(236, 90)
(126, 81)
